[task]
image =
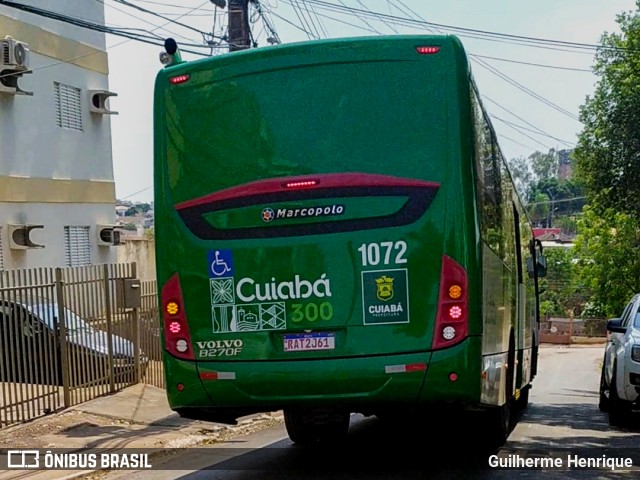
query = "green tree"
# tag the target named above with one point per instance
(143, 207)
(537, 180)
(544, 165)
(522, 176)
(608, 153)
(539, 208)
(608, 248)
(568, 225)
(607, 161)
(565, 293)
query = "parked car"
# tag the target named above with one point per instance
(30, 350)
(620, 375)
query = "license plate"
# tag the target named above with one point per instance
(303, 342)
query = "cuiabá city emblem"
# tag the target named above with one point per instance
(385, 288)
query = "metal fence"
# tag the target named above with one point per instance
(568, 330)
(69, 335)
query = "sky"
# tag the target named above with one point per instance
(533, 107)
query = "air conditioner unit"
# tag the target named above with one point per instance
(98, 101)
(9, 78)
(20, 236)
(14, 53)
(108, 235)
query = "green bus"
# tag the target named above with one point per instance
(337, 232)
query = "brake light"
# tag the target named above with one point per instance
(301, 184)
(452, 318)
(179, 79)
(427, 50)
(176, 331)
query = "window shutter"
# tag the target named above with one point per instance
(77, 247)
(1, 257)
(68, 106)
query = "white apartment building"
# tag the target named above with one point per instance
(56, 171)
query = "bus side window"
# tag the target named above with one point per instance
(489, 182)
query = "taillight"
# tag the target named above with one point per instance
(452, 319)
(301, 184)
(176, 331)
(427, 50)
(179, 79)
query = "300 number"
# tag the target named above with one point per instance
(311, 312)
(383, 252)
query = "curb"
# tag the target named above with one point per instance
(221, 432)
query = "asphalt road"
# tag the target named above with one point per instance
(562, 419)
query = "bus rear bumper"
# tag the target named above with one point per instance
(228, 390)
(360, 380)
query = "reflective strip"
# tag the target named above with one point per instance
(217, 375)
(395, 369)
(412, 367)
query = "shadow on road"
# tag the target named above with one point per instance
(429, 448)
(447, 447)
(577, 416)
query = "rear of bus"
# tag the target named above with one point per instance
(315, 228)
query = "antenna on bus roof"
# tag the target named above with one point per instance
(171, 55)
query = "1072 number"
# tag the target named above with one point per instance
(383, 253)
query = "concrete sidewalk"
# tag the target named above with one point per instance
(137, 417)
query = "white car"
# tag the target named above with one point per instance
(620, 376)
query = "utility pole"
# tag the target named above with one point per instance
(552, 208)
(238, 25)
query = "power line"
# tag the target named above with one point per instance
(266, 21)
(531, 64)
(136, 193)
(513, 114)
(533, 131)
(486, 33)
(478, 59)
(315, 14)
(305, 25)
(528, 136)
(170, 20)
(153, 40)
(309, 34)
(516, 142)
(556, 201)
(529, 92)
(167, 4)
(143, 20)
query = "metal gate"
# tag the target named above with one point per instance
(69, 335)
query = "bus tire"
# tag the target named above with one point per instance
(534, 362)
(501, 422)
(523, 401)
(502, 417)
(303, 429)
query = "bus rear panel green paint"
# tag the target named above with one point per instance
(259, 262)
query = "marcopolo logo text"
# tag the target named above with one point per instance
(269, 214)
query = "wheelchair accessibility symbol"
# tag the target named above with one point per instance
(220, 263)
